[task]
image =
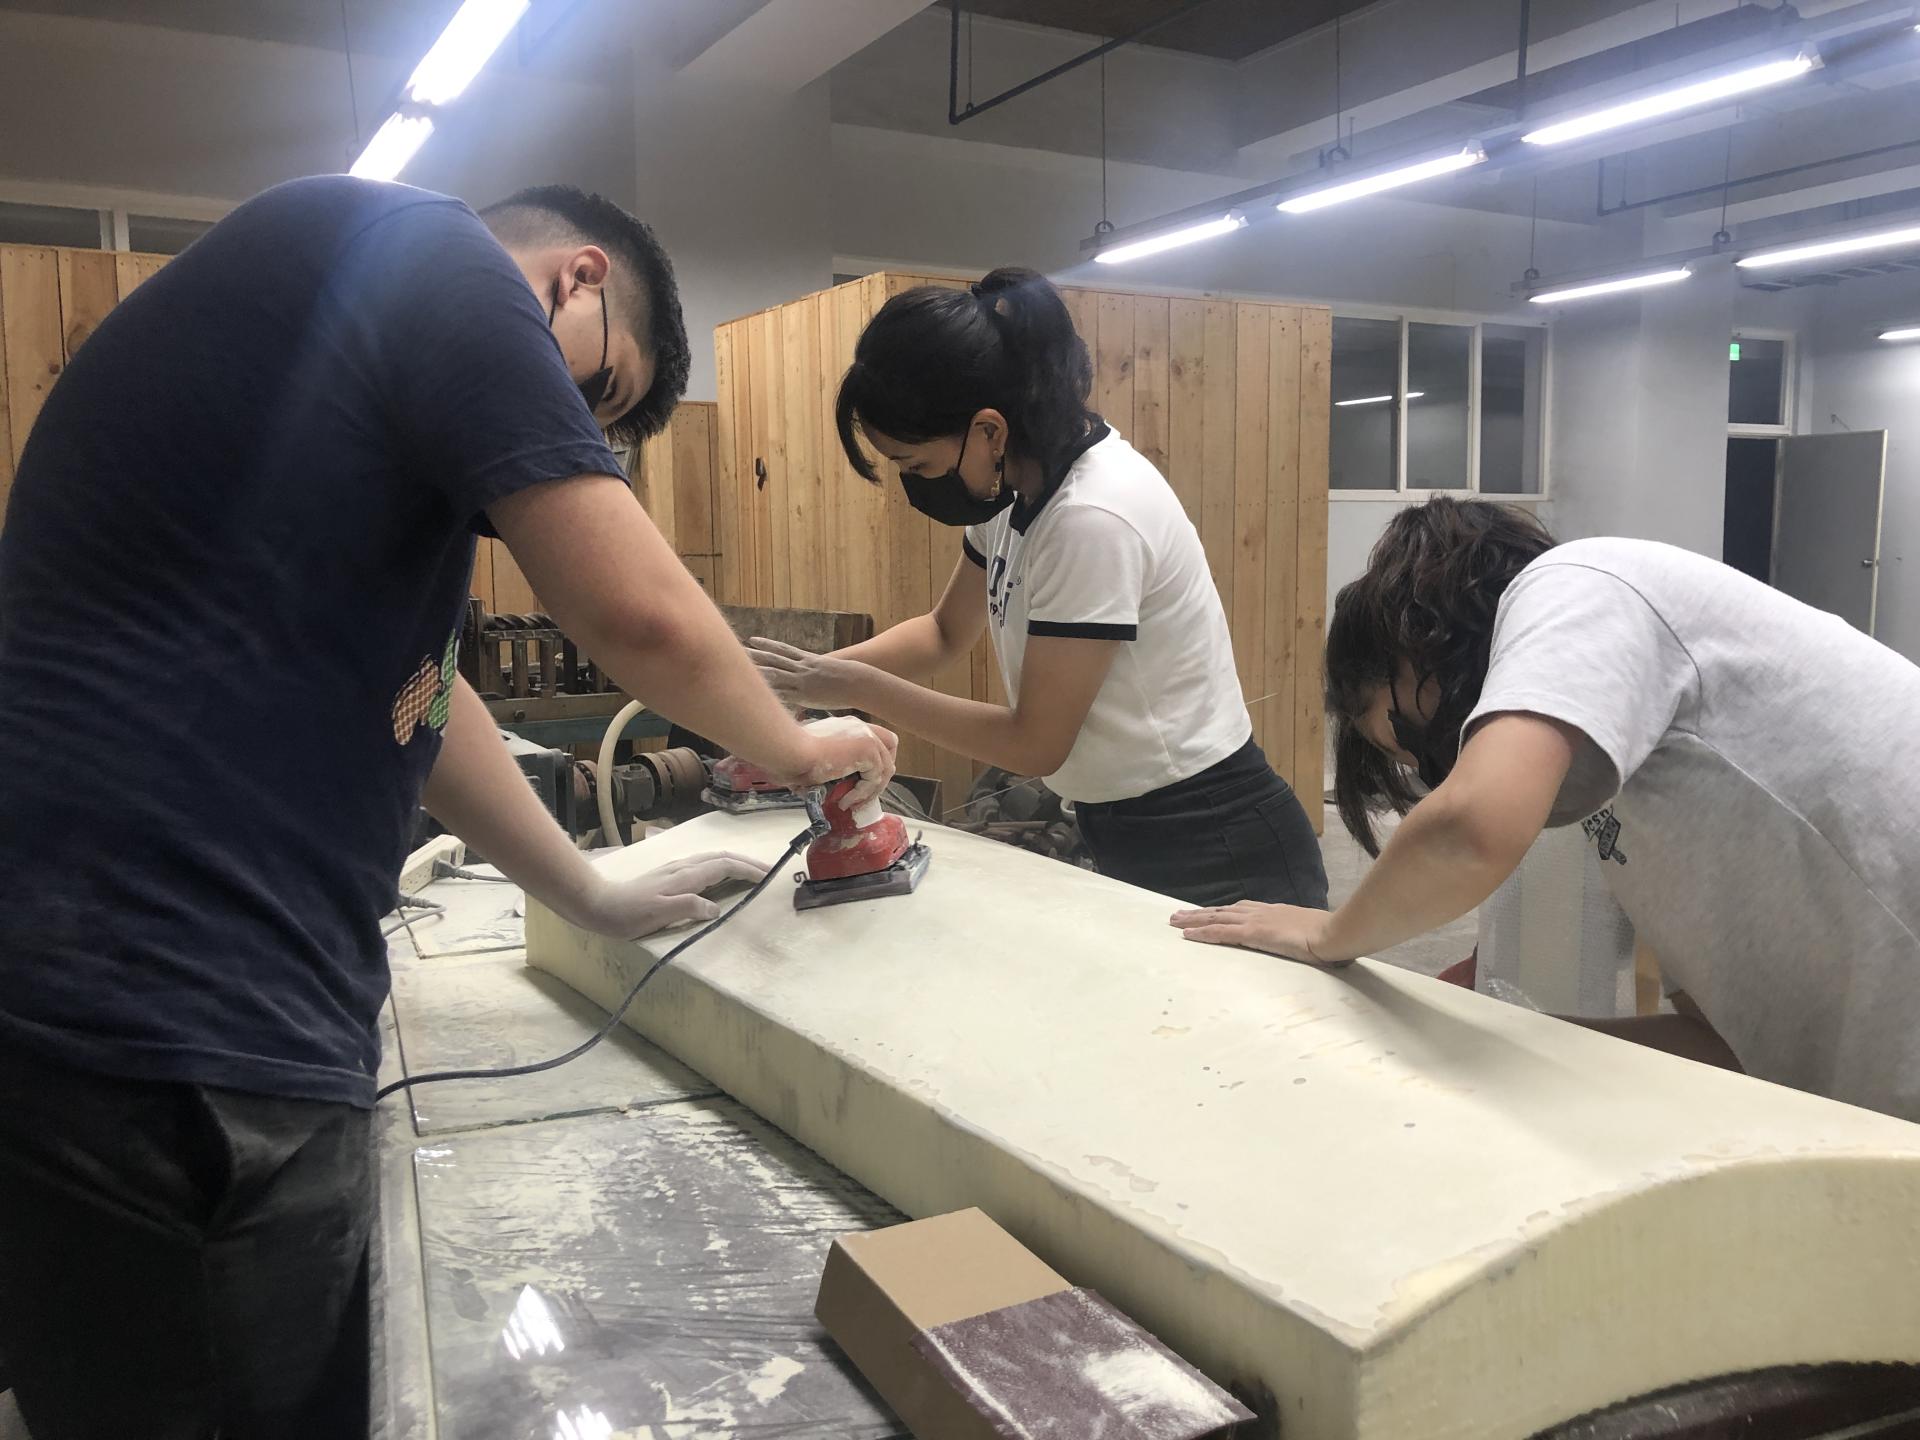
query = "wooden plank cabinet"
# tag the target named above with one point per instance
(1228, 398)
(51, 299)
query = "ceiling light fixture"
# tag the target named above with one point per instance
(1384, 180)
(392, 146)
(1375, 399)
(1170, 240)
(470, 38)
(1820, 249)
(1610, 287)
(1669, 102)
(1905, 332)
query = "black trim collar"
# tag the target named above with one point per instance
(1024, 514)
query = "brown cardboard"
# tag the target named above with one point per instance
(883, 1288)
(958, 1325)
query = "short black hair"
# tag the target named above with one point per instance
(566, 215)
(933, 358)
(1429, 596)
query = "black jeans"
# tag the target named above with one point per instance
(1233, 832)
(179, 1262)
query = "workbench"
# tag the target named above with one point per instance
(611, 1248)
(616, 1248)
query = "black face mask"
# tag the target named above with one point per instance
(945, 500)
(1434, 761)
(594, 388)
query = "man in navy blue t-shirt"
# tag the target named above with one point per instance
(233, 566)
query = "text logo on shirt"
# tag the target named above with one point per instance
(996, 601)
(1604, 830)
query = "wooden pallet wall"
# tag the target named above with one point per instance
(51, 299)
(1228, 398)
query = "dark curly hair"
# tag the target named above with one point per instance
(933, 358)
(1428, 597)
(564, 215)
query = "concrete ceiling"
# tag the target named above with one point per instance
(1221, 29)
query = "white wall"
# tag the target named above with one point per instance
(1638, 410)
(738, 188)
(1872, 384)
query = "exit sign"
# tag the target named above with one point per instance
(1733, 351)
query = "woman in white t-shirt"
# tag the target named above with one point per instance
(1740, 762)
(1081, 565)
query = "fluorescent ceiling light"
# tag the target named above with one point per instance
(392, 146)
(1667, 102)
(1384, 180)
(473, 34)
(1905, 332)
(1610, 287)
(1793, 255)
(1375, 399)
(1170, 240)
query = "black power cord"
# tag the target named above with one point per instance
(507, 1071)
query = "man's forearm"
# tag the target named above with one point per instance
(478, 793)
(1430, 874)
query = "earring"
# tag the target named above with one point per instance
(999, 475)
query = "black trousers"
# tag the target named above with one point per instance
(1233, 832)
(179, 1262)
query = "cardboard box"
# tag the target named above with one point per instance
(969, 1337)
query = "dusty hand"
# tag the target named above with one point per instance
(675, 894)
(1289, 930)
(841, 745)
(806, 681)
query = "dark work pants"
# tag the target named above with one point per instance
(179, 1262)
(1233, 832)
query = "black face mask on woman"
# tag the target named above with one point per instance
(945, 499)
(1434, 756)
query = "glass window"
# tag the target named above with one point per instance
(1756, 388)
(49, 225)
(1511, 361)
(163, 234)
(1366, 422)
(1439, 373)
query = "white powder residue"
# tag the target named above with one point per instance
(1140, 1381)
(769, 1382)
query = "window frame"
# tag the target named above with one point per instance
(1789, 378)
(114, 206)
(1400, 494)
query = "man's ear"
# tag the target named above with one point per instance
(586, 265)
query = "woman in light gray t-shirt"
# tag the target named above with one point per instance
(1741, 762)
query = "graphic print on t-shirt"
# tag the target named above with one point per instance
(427, 697)
(1604, 830)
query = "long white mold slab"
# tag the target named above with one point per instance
(1386, 1205)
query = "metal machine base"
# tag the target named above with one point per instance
(899, 878)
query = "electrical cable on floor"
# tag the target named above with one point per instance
(409, 902)
(445, 870)
(506, 1071)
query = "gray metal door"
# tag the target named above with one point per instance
(1826, 526)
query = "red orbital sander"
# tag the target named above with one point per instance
(859, 852)
(742, 789)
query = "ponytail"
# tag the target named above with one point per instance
(933, 358)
